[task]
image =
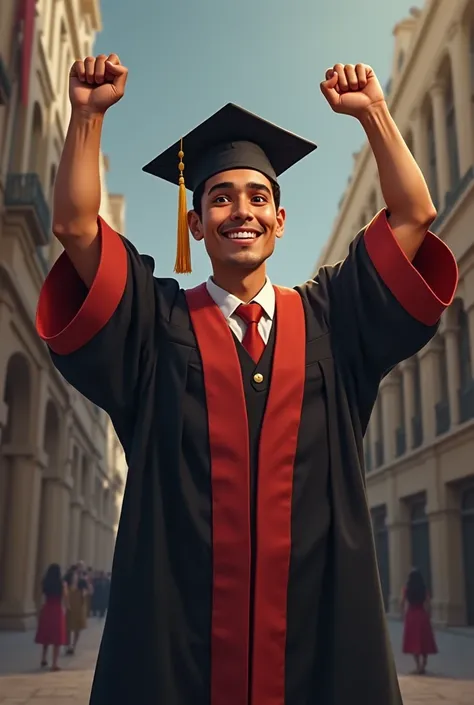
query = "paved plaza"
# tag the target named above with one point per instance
(450, 680)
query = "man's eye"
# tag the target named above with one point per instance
(220, 199)
(262, 199)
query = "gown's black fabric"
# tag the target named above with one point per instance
(129, 346)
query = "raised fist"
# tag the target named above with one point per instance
(351, 89)
(97, 83)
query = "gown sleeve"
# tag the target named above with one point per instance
(380, 307)
(103, 340)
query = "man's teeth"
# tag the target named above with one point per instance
(241, 235)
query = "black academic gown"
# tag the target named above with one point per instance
(244, 570)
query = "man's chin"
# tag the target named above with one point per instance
(245, 261)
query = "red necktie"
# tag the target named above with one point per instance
(253, 341)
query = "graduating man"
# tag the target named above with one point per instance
(245, 571)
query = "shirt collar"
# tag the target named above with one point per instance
(228, 303)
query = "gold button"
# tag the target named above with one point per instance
(258, 378)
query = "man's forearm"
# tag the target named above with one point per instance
(77, 187)
(404, 188)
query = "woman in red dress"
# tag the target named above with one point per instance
(52, 621)
(418, 637)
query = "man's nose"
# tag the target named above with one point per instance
(241, 210)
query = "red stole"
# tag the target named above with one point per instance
(230, 471)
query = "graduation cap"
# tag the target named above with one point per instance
(232, 138)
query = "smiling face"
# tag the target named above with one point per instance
(239, 220)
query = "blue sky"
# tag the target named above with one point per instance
(187, 58)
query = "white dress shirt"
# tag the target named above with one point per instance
(228, 304)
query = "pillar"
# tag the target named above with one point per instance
(407, 368)
(55, 520)
(446, 561)
(17, 609)
(430, 387)
(460, 54)
(418, 128)
(437, 93)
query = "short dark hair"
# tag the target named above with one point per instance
(199, 192)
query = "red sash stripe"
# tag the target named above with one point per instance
(230, 474)
(277, 453)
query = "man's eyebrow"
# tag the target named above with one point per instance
(253, 185)
(217, 187)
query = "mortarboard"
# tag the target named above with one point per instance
(232, 138)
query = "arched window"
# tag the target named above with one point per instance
(36, 146)
(471, 63)
(400, 60)
(451, 133)
(443, 370)
(52, 179)
(432, 163)
(417, 421)
(464, 348)
(379, 448)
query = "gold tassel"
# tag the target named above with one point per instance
(183, 251)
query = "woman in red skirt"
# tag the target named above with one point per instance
(418, 637)
(52, 621)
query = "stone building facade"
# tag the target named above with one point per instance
(419, 447)
(62, 469)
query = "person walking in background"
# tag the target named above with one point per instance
(418, 637)
(76, 614)
(51, 629)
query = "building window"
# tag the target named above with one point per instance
(466, 391)
(471, 63)
(417, 420)
(452, 137)
(368, 450)
(379, 449)
(467, 522)
(52, 179)
(464, 349)
(442, 410)
(400, 431)
(432, 164)
(400, 60)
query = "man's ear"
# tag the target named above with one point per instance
(281, 219)
(195, 225)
